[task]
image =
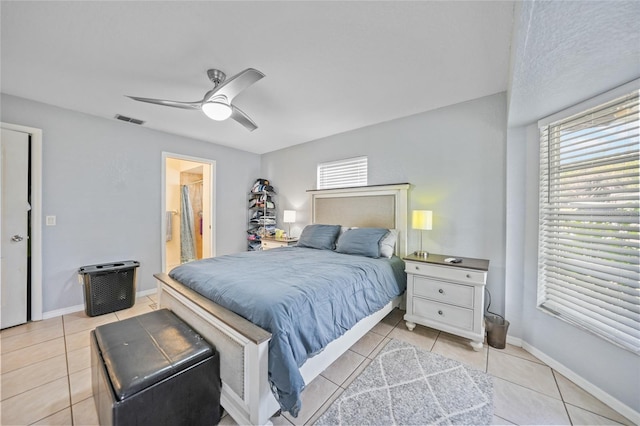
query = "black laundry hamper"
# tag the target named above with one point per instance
(109, 287)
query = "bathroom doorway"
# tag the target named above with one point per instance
(188, 215)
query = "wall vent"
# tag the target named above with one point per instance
(128, 119)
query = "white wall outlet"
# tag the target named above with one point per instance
(51, 221)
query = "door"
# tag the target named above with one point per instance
(14, 209)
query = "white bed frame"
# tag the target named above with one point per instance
(243, 346)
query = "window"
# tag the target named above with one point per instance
(588, 260)
(343, 173)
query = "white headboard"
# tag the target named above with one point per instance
(380, 206)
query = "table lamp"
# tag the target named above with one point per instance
(289, 216)
(422, 220)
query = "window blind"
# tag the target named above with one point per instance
(343, 173)
(589, 246)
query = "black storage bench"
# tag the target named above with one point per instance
(154, 369)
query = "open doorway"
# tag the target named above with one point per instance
(188, 215)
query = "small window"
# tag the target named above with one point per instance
(343, 173)
(588, 260)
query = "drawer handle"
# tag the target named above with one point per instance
(441, 291)
(417, 268)
(440, 313)
(468, 275)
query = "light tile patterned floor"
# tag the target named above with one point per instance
(45, 375)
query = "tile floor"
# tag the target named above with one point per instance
(45, 375)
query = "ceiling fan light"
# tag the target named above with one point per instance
(216, 110)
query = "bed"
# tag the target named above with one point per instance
(243, 345)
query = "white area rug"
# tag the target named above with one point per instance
(405, 385)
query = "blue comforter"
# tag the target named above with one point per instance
(305, 297)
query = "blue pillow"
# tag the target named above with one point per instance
(361, 241)
(319, 236)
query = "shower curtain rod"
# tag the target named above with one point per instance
(197, 181)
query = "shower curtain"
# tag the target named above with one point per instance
(187, 231)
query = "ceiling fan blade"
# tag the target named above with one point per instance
(175, 104)
(231, 87)
(243, 119)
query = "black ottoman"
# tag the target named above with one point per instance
(153, 369)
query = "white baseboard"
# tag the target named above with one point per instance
(63, 311)
(515, 341)
(78, 308)
(594, 390)
(146, 292)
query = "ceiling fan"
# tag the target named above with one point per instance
(216, 103)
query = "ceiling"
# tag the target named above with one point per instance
(330, 67)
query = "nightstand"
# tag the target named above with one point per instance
(271, 243)
(447, 296)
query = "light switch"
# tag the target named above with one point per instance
(51, 221)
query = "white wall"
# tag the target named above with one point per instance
(102, 179)
(514, 228)
(454, 157)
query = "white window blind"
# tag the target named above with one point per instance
(588, 271)
(343, 173)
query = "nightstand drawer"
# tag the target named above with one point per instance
(271, 243)
(266, 245)
(452, 315)
(440, 291)
(447, 273)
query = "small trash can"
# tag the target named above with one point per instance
(497, 328)
(109, 287)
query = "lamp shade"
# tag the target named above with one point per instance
(289, 216)
(422, 219)
(216, 110)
